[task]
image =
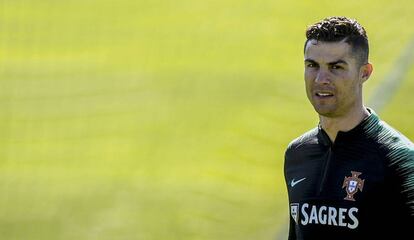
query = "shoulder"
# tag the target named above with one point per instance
(395, 144)
(306, 139)
(400, 160)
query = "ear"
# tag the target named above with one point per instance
(365, 72)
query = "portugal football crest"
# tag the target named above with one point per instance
(352, 184)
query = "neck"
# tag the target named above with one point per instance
(332, 125)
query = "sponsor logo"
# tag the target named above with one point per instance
(293, 182)
(324, 215)
(352, 184)
(294, 211)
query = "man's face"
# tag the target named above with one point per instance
(333, 78)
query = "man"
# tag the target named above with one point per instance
(352, 176)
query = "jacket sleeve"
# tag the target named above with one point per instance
(406, 174)
(292, 233)
(292, 224)
(402, 167)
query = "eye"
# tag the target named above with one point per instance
(335, 66)
(311, 65)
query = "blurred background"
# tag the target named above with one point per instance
(167, 119)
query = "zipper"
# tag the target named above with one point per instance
(325, 169)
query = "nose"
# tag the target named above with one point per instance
(322, 77)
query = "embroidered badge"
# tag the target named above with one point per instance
(352, 184)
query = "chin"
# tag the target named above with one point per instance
(328, 115)
(326, 112)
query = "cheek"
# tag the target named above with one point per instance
(346, 88)
(308, 87)
(309, 77)
(308, 84)
(308, 73)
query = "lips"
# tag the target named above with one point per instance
(324, 94)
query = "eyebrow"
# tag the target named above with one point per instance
(330, 63)
(338, 62)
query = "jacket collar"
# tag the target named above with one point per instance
(361, 129)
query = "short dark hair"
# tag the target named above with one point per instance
(336, 29)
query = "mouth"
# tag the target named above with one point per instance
(323, 94)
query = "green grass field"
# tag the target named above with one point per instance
(164, 119)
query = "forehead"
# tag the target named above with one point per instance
(320, 51)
